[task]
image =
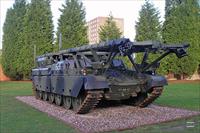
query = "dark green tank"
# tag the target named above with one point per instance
(78, 78)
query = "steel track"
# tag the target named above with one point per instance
(93, 97)
(91, 100)
(157, 91)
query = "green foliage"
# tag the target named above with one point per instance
(183, 25)
(26, 26)
(170, 4)
(148, 27)
(38, 31)
(71, 24)
(109, 31)
(12, 28)
(125, 60)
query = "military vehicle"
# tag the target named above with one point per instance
(78, 78)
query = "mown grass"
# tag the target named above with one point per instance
(17, 117)
(185, 95)
(178, 95)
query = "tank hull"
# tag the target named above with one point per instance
(79, 78)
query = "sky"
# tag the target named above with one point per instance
(126, 9)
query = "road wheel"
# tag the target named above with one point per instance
(58, 100)
(40, 93)
(67, 102)
(36, 94)
(45, 96)
(34, 90)
(51, 97)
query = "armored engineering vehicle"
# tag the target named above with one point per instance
(78, 78)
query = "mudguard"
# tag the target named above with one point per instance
(95, 82)
(156, 81)
(88, 83)
(78, 84)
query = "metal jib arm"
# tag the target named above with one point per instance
(125, 47)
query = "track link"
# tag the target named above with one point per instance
(157, 91)
(91, 100)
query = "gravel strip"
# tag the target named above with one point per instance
(109, 118)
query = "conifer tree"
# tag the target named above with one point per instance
(6, 50)
(148, 27)
(109, 31)
(170, 4)
(183, 25)
(72, 24)
(38, 32)
(13, 27)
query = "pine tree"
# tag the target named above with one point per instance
(109, 31)
(170, 4)
(148, 27)
(6, 51)
(72, 24)
(183, 25)
(11, 42)
(38, 31)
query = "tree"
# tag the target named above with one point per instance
(183, 25)
(38, 32)
(72, 24)
(13, 26)
(6, 51)
(110, 30)
(148, 27)
(170, 4)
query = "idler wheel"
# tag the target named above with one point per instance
(51, 97)
(58, 100)
(67, 102)
(77, 101)
(140, 98)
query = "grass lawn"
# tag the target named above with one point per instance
(178, 95)
(17, 117)
(183, 95)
